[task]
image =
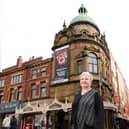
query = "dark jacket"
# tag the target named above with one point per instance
(99, 112)
(13, 123)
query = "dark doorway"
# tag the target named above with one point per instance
(63, 120)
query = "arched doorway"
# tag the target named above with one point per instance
(60, 119)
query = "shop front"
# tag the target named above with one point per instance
(50, 114)
(8, 108)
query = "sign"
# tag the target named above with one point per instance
(9, 107)
(61, 64)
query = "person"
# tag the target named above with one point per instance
(87, 107)
(13, 123)
(6, 122)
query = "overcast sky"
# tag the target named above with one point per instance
(28, 27)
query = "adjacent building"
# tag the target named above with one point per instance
(24, 83)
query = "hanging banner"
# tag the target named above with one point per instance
(61, 64)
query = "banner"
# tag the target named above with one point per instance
(61, 64)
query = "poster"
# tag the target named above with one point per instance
(61, 64)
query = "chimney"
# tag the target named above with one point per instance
(19, 61)
(32, 57)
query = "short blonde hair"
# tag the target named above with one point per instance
(88, 75)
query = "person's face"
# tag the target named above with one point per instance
(85, 82)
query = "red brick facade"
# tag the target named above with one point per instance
(25, 69)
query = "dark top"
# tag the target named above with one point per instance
(13, 123)
(98, 110)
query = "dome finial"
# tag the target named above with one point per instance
(82, 10)
(64, 25)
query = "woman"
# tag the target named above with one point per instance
(87, 108)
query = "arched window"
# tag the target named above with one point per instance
(92, 63)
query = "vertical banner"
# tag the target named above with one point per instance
(61, 64)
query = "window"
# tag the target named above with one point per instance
(33, 90)
(43, 89)
(11, 96)
(38, 121)
(1, 96)
(2, 83)
(43, 71)
(92, 63)
(16, 79)
(84, 34)
(19, 93)
(79, 66)
(34, 74)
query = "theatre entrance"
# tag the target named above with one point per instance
(60, 119)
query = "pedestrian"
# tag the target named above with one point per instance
(87, 107)
(6, 122)
(13, 123)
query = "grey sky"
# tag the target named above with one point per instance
(28, 27)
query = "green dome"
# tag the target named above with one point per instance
(82, 17)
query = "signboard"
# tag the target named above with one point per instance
(61, 64)
(9, 107)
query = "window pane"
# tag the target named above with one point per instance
(43, 71)
(19, 95)
(92, 63)
(11, 98)
(79, 66)
(90, 60)
(2, 83)
(20, 78)
(43, 91)
(90, 68)
(92, 55)
(1, 96)
(16, 79)
(34, 74)
(33, 90)
(43, 88)
(95, 69)
(33, 93)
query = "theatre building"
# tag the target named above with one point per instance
(43, 89)
(77, 48)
